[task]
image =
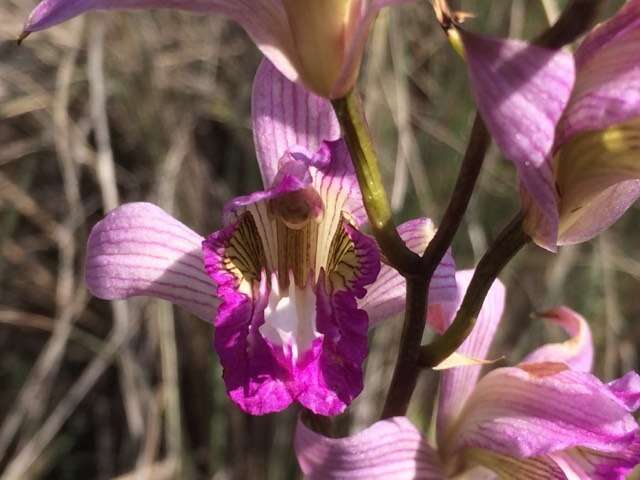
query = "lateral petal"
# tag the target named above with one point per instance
(390, 449)
(541, 408)
(140, 250)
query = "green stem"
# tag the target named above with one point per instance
(510, 241)
(365, 160)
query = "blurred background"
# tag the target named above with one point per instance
(111, 108)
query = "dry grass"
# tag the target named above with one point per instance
(121, 107)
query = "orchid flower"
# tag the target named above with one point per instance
(547, 417)
(569, 123)
(319, 43)
(290, 281)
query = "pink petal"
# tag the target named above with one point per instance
(385, 297)
(285, 116)
(607, 89)
(627, 390)
(600, 213)
(511, 468)
(586, 464)
(541, 408)
(457, 384)
(577, 352)
(140, 250)
(521, 91)
(391, 449)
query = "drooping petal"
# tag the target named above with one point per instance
(627, 390)
(386, 296)
(541, 408)
(140, 250)
(391, 449)
(457, 384)
(587, 464)
(285, 115)
(607, 89)
(598, 177)
(507, 467)
(577, 352)
(521, 91)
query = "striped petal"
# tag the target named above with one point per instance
(391, 449)
(586, 464)
(627, 390)
(577, 352)
(521, 91)
(457, 384)
(286, 116)
(542, 408)
(140, 250)
(386, 296)
(607, 89)
(511, 468)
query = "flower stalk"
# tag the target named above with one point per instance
(508, 243)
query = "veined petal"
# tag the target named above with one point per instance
(254, 381)
(521, 91)
(285, 115)
(390, 449)
(577, 352)
(592, 169)
(511, 468)
(586, 464)
(140, 250)
(332, 382)
(627, 390)
(541, 408)
(386, 296)
(457, 384)
(607, 89)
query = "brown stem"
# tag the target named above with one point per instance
(406, 371)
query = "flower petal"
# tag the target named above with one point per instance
(140, 250)
(329, 385)
(285, 115)
(511, 468)
(254, 381)
(390, 449)
(541, 408)
(586, 464)
(385, 297)
(597, 177)
(577, 352)
(607, 89)
(457, 384)
(521, 91)
(627, 389)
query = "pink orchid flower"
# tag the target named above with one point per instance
(290, 281)
(319, 43)
(546, 418)
(569, 123)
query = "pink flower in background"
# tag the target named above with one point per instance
(290, 281)
(547, 417)
(569, 123)
(319, 43)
